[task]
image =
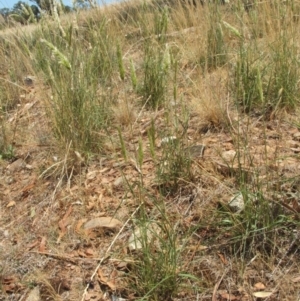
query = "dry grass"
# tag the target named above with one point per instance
(83, 143)
(125, 113)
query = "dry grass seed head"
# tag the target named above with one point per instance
(124, 113)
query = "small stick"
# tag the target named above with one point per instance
(73, 259)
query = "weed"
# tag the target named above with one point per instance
(7, 153)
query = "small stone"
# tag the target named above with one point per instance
(295, 150)
(9, 180)
(169, 139)
(236, 203)
(29, 80)
(273, 135)
(34, 295)
(291, 143)
(196, 150)
(118, 182)
(229, 156)
(16, 165)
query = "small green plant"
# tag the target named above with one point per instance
(123, 147)
(7, 153)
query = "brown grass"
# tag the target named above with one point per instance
(49, 188)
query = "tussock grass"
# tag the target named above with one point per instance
(136, 76)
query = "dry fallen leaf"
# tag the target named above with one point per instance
(296, 206)
(81, 254)
(79, 225)
(135, 241)
(228, 297)
(42, 247)
(262, 294)
(106, 222)
(104, 281)
(297, 279)
(11, 204)
(10, 284)
(63, 224)
(222, 257)
(259, 286)
(89, 252)
(90, 206)
(32, 245)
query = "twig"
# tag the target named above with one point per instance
(14, 84)
(228, 116)
(57, 256)
(74, 259)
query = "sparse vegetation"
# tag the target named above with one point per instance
(153, 150)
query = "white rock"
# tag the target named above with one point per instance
(237, 203)
(229, 156)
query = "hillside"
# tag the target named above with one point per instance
(150, 151)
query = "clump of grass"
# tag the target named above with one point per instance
(284, 80)
(174, 166)
(78, 108)
(174, 161)
(257, 228)
(247, 84)
(124, 113)
(210, 102)
(7, 151)
(155, 272)
(156, 69)
(156, 64)
(267, 82)
(216, 55)
(9, 94)
(16, 64)
(265, 79)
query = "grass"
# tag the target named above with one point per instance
(123, 93)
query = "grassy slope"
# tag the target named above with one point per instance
(113, 125)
